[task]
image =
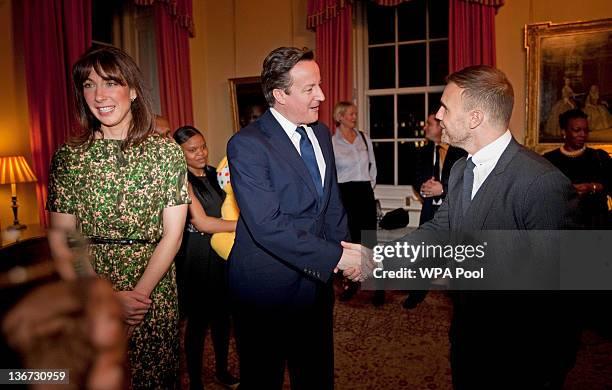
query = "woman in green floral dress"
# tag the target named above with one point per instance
(125, 189)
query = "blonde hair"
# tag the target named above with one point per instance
(339, 110)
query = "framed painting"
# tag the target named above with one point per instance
(247, 100)
(568, 66)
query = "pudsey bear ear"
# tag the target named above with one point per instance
(223, 174)
(223, 177)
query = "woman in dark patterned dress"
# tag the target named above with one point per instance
(125, 189)
(201, 272)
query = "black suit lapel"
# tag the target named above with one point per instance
(283, 146)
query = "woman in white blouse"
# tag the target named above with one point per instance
(356, 168)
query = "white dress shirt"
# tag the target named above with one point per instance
(486, 159)
(354, 161)
(295, 138)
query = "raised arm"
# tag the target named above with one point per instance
(205, 223)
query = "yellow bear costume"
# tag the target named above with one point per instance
(222, 242)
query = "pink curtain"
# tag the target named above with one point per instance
(173, 62)
(55, 33)
(332, 20)
(471, 32)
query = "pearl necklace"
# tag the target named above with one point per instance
(572, 153)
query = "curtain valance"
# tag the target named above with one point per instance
(181, 10)
(320, 11)
(491, 3)
(392, 3)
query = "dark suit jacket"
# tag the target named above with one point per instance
(287, 239)
(509, 339)
(425, 172)
(524, 191)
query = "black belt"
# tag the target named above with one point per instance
(117, 241)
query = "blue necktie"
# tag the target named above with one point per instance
(308, 155)
(468, 183)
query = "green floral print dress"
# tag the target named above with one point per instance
(119, 195)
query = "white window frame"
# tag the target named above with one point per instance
(390, 196)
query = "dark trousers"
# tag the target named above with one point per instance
(513, 340)
(501, 365)
(427, 213)
(204, 301)
(195, 334)
(360, 205)
(299, 336)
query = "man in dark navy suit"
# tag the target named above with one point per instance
(290, 232)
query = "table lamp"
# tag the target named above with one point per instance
(13, 170)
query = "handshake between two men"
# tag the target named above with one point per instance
(356, 262)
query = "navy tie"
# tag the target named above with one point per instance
(468, 183)
(308, 155)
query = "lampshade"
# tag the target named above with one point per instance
(15, 169)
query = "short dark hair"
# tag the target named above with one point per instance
(112, 63)
(574, 113)
(276, 67)
(182, 134)
(487, 88)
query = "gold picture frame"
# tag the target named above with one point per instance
(247, 100)
(567, 63)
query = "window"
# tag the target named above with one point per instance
(106, 22)
(131, 28)
(402, 60)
